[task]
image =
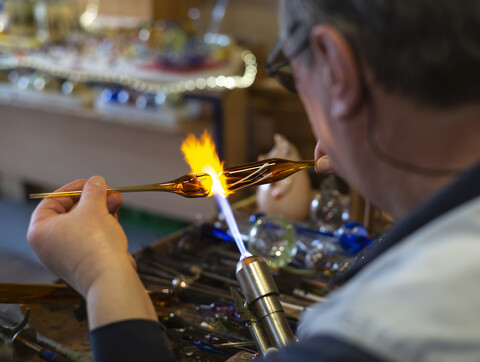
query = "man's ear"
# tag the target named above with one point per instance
(330, 48)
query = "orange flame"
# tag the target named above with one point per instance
(200, 154)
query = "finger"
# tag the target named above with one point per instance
(133, 261)
(65, 201)
(114, 201)
(73, 186)
(94, 195)
(51, 206)
(322, 165)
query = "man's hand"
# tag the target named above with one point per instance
(79, 240)
(83, 243)
(322, 164)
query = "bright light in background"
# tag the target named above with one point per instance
(90, 14)
(202, 157)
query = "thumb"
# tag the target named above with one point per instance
(322, 165)
(94, 194)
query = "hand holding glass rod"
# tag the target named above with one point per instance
(190, 185)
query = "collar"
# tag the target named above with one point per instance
(465, 188)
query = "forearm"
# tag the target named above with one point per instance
(118, 295)
(122, 319)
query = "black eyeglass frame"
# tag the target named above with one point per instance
(282, 70)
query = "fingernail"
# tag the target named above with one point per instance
(97, 181)
(322, 165)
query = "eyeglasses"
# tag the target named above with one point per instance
(278, 64)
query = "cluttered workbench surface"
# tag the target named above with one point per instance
(192, 278)
(52, 332)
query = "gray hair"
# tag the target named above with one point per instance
(427, 50)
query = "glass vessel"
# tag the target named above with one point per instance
(273, 238)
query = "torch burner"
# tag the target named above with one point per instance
(262, 298)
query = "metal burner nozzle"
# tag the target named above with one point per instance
(262, 298)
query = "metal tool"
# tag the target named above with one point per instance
(175, 266)
(253, 325)
(180, 285)
(240, 357)
(263, 302)
(57, 294)
(26, 337)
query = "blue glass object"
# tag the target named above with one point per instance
(325, 258)
(160, 98)
(123, 96)
(107, 95)
(352, 237)
(254, 217)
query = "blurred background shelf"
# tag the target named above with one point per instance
(50, 146)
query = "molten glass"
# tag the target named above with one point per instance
(200, 185)
(263, 172)
(189, 185)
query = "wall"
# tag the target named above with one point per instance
(139, 8)
(252, 21)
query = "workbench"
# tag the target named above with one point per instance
(191, 245)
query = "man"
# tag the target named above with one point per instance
(392, 91)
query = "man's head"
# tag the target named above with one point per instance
(426, 50)
(373, 72)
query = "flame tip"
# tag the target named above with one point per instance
(202, 157)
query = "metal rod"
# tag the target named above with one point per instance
(55, 294)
